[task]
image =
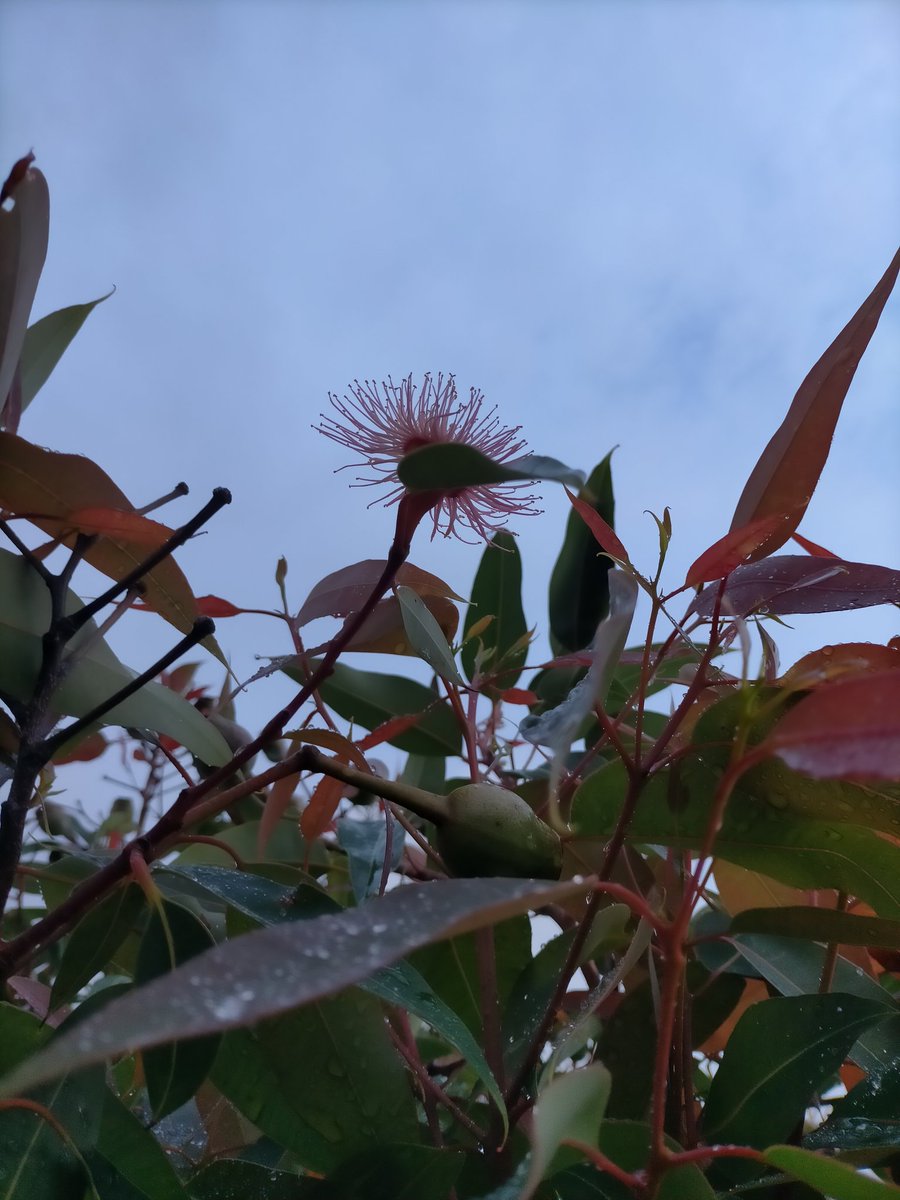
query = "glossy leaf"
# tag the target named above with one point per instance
(365, 844)
(734, 549)
(384, 630)
(755, 834)
(579, 591)
(780, 1051)
(47, 340)
(812, 547)
(95, 939)
(449, 466)
(571, 1107)
(797, 583)
(819, 925)
(345, 591)
(425, 635)
(127, 1161)
(48, 487)
(794, 968)
(369, 699)
(837, 1180)
(396, 1172)
(324, 1082)
(831, 662)
(118, 523)
(497, 592)
(604, 535)
(788, 470)
(35, 1162)
(279, 968)
(234, 1178)
(97, 674)
(173, 1073)
(847, 730)
(24, 232)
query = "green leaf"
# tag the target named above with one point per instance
(579, 591)
(36, 1163)
(369, 699)
(819, 925)
(128, 1161)
(332, 1073)
(395, 1172)
(97, 673)
(365, 843)
(795, 968)
(571, 1107)
(234, 1178)
(24, 232)
(173, 1072)
(281, 967)
(674, 810)
(95, 939)
(425, 635)
(449, 466)
(867, 1118)
(450, 967)
(834, 1179)
(264, 900)
(781, 1050)
(47, 340)
(497, 593)
(627, 1143)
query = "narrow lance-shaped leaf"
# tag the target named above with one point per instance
(273, 970)
(496, 594)
(798, 583)
(571, 1107)
(24, 232)
(837, 1180)
(735, 548)
(47, 340)
(579, 589)
(425, 634)
(788, 470)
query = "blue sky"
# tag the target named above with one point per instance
(632, 224)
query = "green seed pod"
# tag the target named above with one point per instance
(491, 831)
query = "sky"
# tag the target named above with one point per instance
(630, 224)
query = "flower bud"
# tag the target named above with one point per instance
(492, 831)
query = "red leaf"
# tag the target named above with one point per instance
(118, 523)
(846, 730)
(86, 751)
(389, 729)
(812, 547)
(847, 658)
(788, 470)
(215, 606)
(603, 534)
(345, 591)
(316, 817)
(800, 583)
(732, 550)
(519, 696)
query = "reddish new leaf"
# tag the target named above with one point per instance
(87, 750)
(834, 662)
(118, 523)
(384, 632)
(732, 550)
(788, 470)
(215, 606)
(812, 547)
(602, 532)
(345, 591)
(846, 730)
(519, 696)
(389, 729)
(316, 817)
(801, 583)
(24, 231)
(46, 487)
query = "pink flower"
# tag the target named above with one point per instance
(384, 425)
